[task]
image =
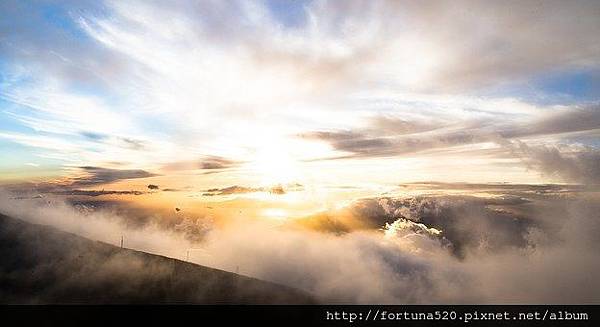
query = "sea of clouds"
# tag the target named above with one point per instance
(522, 246)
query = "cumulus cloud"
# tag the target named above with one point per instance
(462, 222)
(413, 266)
(570, 165)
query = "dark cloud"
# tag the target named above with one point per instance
(355, 142)
(499, 187)
(574, 119)
(466, 222)
(373, 141)
(231, 190)
(578, 166)
(97, 192)
(98, 175)
(182, 189)
(359, 144)
(276, 189)
(216, 163)
(570, 120)
(501, 218)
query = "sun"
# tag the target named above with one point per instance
(274, 163)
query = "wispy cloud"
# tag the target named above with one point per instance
(96, 192)
(206, 163)
(214, 86)
(98, 175)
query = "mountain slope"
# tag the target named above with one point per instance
(39, 264)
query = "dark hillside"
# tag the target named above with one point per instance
(40, 264)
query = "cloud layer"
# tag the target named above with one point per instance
(505, 247)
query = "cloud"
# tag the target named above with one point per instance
(413, 267)
(157, 84)
(46, 266)
(59, 51)
(235, 189)
(378, 138)
(230, 190)
(133, 144)
(329, 43)
(464, 222)
(512, 258)
(357, 143)
(206, 163)
(97, 192)
(143, 82)
(520, 189)
(564, 120)
(389, 124)
(570, 165)
(98, 175)
(96, 224)
(514, 40)
(361, 145)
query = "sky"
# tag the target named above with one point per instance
(317, 93)
(363, 151)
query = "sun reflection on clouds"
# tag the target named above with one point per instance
(275, 213)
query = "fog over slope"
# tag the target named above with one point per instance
(500, 243)
(43, 265)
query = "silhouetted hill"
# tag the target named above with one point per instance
(40, 264)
